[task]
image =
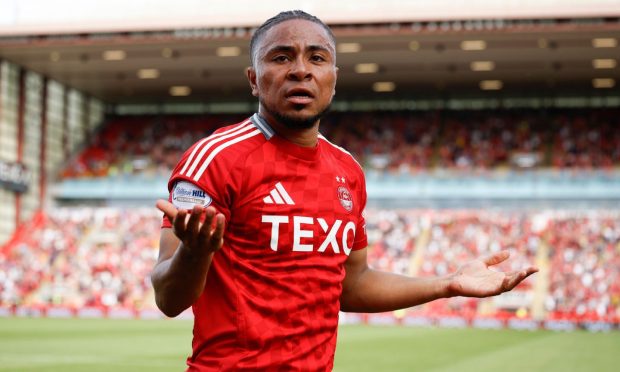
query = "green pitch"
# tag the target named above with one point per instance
(161, 345)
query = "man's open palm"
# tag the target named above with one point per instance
(195, 234)
(475, 279)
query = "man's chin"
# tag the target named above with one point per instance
(300, 118)
(298, 121)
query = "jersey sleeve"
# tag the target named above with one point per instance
(202, 178)
(361, 238)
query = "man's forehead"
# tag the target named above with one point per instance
(296, 31)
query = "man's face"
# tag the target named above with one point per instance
(294, 73)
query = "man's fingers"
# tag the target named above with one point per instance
(514, 278)
(218, 232)
(165, 206)
(210, 234)
(496, 258)
(178, 223)
(193, 224)
(205, 230)
(186, 224)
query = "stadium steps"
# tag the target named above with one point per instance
(420, 247)
(24, 232)
(541, 286)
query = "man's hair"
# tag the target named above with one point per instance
(281, 17)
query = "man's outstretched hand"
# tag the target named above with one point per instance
(197, 235)
(475, 279)
(181, 270)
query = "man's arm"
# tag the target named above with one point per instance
(185, 255)
(368, 290)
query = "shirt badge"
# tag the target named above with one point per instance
(346, 200)
(185, 195)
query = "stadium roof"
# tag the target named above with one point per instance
(420, 59)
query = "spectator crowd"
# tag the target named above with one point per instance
(102, 257)
(396, 142)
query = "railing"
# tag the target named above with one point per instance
(427, 185)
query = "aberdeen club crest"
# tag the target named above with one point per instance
(346, 200)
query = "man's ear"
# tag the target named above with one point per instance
(250, 73)
(334, 91)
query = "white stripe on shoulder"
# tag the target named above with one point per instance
(191, 156)
(212, 142)
(340, 148)
(222, 147)
(334, 145)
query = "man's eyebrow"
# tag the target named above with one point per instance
(314, 48)
(288, 48)
(281, 48)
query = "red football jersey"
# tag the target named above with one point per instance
(293, 215)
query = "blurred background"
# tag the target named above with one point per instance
(481, 125)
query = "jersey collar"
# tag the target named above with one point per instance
(307, 153)
(261, 124)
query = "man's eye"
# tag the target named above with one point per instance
(280, 58)
(318, 58)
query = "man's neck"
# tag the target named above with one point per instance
(302, 137)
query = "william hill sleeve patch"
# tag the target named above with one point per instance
(186, 195)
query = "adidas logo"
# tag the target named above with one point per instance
(278, 196)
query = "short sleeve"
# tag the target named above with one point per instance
(361, 238)
(202, 179)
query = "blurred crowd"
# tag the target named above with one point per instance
(391, 141)
(142, 145)
(585, 262)
(99, 257)
(102, 257)
(456, 237)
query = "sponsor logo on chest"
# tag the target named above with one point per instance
(303, 229)
(333, 236)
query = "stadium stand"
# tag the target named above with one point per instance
(142, 145)
(391, 142)
(95, 261)
(100, 258)
(585, 272)
(461, 236)
(83, 257)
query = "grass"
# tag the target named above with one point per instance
(162, 345)
(431, 349)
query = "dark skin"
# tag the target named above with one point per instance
(294, 76)
(185, 255)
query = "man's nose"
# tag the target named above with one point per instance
(300, 70)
